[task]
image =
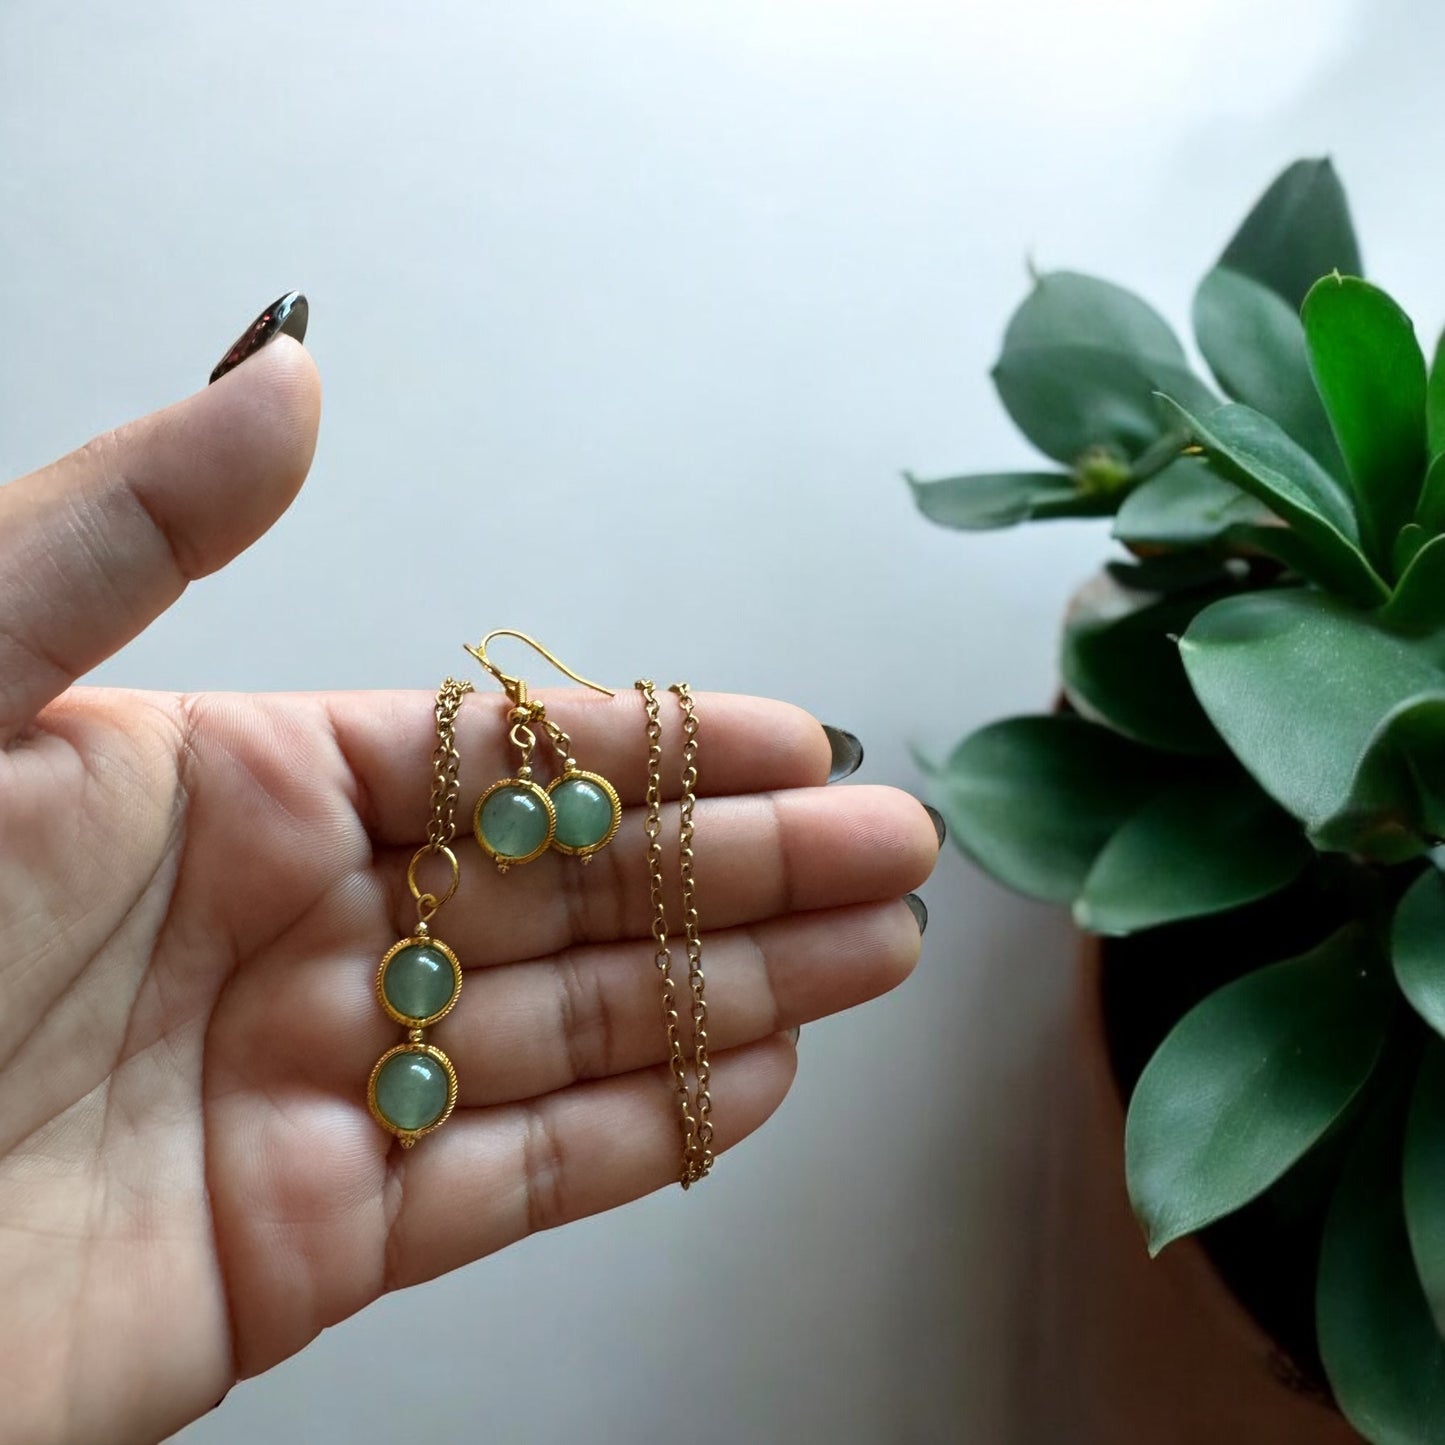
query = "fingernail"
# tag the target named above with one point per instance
(286, 316)
(847, 753)
(795, 1034)
(939, 826)
(919, 909)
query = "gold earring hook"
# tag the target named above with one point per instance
(515, 687)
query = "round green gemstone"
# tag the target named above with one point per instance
(584, 813)
(411, 1090)
(515, 821)
(419, 981)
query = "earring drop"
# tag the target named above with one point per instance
(413, 1088)
(587, 806)
(516, 820)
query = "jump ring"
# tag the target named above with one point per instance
(426, 901)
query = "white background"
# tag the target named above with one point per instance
(629, 315)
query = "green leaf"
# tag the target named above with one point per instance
(1255, 453)
(1424, 1179)
(1384, 1358)
(1202, 846)
(1316, 700)
(1265, 462)
(1298, 231)
(1070, 399)
(1171, 573)
(1186, 505)
(1430, 510)
(1417, 604)
(1032, 800)
(1001, 499)
(1435, 401)
(1254, 343)
(1120, 664)
(1066, 308)
(1395, 809)
(1409, 541)
(1370, 373)
(1247, 1082)
(1417, 947)
(1081, 359)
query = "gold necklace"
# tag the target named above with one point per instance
(694, 1104)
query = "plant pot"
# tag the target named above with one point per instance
(1128, 1349)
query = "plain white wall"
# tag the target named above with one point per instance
(629, 315)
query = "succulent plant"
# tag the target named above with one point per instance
(1254, 716)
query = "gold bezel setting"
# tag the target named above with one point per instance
(502, 860)
(571, 775)
(408, 1137)
(410, 1021)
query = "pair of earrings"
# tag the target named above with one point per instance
(413, 1088)
(517, 819)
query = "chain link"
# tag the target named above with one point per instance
(702, 1068)
(562, 743)
(697, 1155)
(446, 762)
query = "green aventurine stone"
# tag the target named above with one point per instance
(411, 1090)
(584, 813)
(419, 981)
(514, 822)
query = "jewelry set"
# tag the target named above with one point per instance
(413, 1088)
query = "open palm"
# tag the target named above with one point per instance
(194, 893)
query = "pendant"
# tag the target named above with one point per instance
(413, 1088)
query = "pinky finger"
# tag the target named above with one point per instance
(495, 1175)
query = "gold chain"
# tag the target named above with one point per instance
(691, 927)
(562, 743)
(697, 1155)
(446, 760)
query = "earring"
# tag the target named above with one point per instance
(517, 820)
(587, 806)
(413, 1088)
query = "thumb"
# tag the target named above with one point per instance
(97, 545)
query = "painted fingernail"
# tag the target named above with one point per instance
(919, 909)
(847, 753)
(939, 826)
(286, 316)
(795, 1034)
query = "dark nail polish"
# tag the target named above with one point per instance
(284, 317)
(795, 1034)
(939, 826)
(847, 753)
(919, 909)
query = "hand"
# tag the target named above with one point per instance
(194, 894)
